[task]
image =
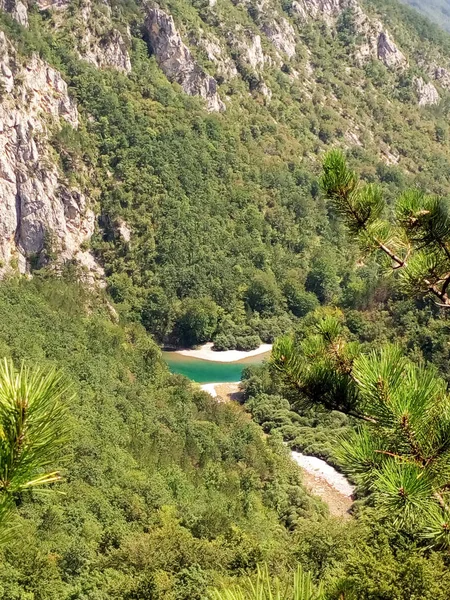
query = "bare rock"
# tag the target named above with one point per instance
(176, 60)
(375, 42)
(441, 75)
(427, 94)
(226, 68)
(327, 10)
(282, 35)
(265, 91)
(124, 230)
(38, 209)
(106, 49)
(17, 9)
(52, 4)
(388, 52)
(247, 45)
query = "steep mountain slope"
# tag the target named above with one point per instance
(179, 144)
(165, 490)
(198, 160)
(436, 10)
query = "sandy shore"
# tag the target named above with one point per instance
(224, 391)
(322, 470)
(206, 352)
(322, 480)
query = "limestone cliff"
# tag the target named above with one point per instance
(38, 210)
(177, 61)
(427, 94)
(17, 9)
(95, 37)
(375, 42)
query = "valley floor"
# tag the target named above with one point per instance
(320, 478)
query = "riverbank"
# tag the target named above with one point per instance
(322, 480)
(206, 352)
(224, 391)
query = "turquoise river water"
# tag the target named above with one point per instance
(208, 371)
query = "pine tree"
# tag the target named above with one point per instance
(267, 588)
(400, 452)
(416, 242)
(33, 427)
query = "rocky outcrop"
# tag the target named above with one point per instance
(176, 60)
(427, 94)
(95, 38)
(246, 46)
(282, 35)
(374, 42)
(37, 208)
(17, 9)
(52, 4)
(226, 69)
(443, 76)
(327, 10)
(387, 51)
(110, 50)
(438, 74)
(124, 230)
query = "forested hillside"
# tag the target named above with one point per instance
(161, 183)
(436, 10)
(217, 216)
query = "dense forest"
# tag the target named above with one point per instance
(236, 226)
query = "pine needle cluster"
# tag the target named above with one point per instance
(416, 241)
(33, 428)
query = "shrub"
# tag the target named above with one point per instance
(249, 342)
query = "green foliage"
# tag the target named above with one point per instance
(167, 493)
(417, 244)
(33, 427)
(266, 588)
(263, 295)
(400, 455)
(436, 10)
(163, 490)
(196, 321)
(317, 367)
(408, 410)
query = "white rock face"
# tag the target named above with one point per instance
(36, 207)
(441, 75)
(176, 60)
(282, 35)
(124, 230)
(216, 54)
(17, 9)
(110, 51)
(427, 94)
(248, 45)
(254, 52)
(327, 10)
(265, 91)
(388, 52)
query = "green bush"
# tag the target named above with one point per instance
(249, 342)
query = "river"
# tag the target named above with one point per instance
(321, 479)
(208, 371)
